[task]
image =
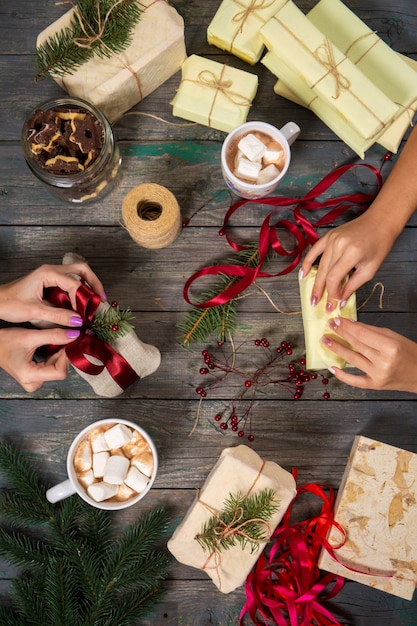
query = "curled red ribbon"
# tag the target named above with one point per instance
(286, 587)
(87, 344)
(303, 231)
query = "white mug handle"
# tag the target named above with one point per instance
(60, 491)
(290, 130)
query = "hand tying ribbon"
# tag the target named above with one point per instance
(87, 303)
(286, 585)
(303, 231)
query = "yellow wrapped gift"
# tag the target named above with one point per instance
(316, 324)
(376, 507)
(327, 71)
(116, 83)
(214, 94)
(235, 27)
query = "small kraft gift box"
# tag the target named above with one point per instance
(239, 473)
(377, 509)
(114, 83)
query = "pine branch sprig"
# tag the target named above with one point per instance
(244, 520)
(112, 323)
(97, 27)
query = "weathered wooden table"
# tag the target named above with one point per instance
(312, 435)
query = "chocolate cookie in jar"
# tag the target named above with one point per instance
(69, 145)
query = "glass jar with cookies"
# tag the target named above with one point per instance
(70, 146)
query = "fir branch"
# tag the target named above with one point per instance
(222, 319)
(97, 27)
(112, 323)
(23, 550)
(243, 520)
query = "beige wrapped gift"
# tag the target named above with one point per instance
(214, 94)
(117, 83)
(327, 71)
(376, 506)
(235, 27)
(316, 324)
(143, 358)
(238, 470)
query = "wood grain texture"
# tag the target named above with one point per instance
(312, 435)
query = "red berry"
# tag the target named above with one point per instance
(221, 233)
(248, 383)
(241, 433)
(325, 381)
(205, 352)
(313, 376)
(115, 328)
(201, 392)
(203, 371)
(288, 351)
(234, 427)
(326, 395)
(218, 417)
(114, 304)
(302, 361)
(224, 426)
(251, 437)
(257, 342)
(220, 343)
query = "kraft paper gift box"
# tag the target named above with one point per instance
(238, 470)
(214, 94)
(376, 507)
(327, 71)
(235, 27)
(316, 324)
(117, 83)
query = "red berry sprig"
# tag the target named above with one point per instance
(237, 418)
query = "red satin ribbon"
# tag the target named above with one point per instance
(87, 303)
(286, 587)
(303, 231)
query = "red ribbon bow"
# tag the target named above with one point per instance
(285, 587)
(303, 231)
(87, 344)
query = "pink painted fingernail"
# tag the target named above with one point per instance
(332, 324)
(104, 297)
(314, 300)
(329, 307)
(76, 321)
(301, 274)
(331, 369)
(343, 304)
(326, 340)
(72, 334)
(337, 321)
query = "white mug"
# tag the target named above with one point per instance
(72, 485)
(285, 136)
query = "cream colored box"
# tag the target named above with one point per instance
(238, 470)
(214, 94)
(117, 83)
(235, 27)
(377, 508)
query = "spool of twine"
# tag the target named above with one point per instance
(151, 215)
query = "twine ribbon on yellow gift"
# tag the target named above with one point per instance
(207, 78)
(247, 10)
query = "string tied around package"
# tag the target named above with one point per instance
(151, 215)
(303, 231)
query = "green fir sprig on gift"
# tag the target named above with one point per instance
(244, 520)
(199, 323)
(112, 323)
(74, 569)
(97, 27)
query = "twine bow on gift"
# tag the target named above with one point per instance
(324, 54)
(88, 344)
(303, 231)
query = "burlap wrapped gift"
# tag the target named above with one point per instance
(316, 324)
(376, 507)
(115, 84)
(238, 470)
(141, 359)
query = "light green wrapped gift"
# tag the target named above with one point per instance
(235, 27)
(316, 324)
(327, 71)
(214, 94)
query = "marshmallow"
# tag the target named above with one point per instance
(247, 170)
(83, 457)
(124, 493)
(98, 442)
(117, 436)
(86, 478)
(136, 480)
(273, 153)
(136, 446)
(99, 463)
(101, 491)
(267, 174)
(143, 462)
(116, 470)
(252, 147)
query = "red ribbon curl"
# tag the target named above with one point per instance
(303, 231)
(284, 587)
(87, 302)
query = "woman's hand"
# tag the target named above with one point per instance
(388, 360)
(17, 349)
(22, 299)
(351, 255)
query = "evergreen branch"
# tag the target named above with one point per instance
(112, 323)
(243, 520)
(24, 551)
(9, 617)
(97, 27)
(222, 319)
(28, 598)
(128, 612)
